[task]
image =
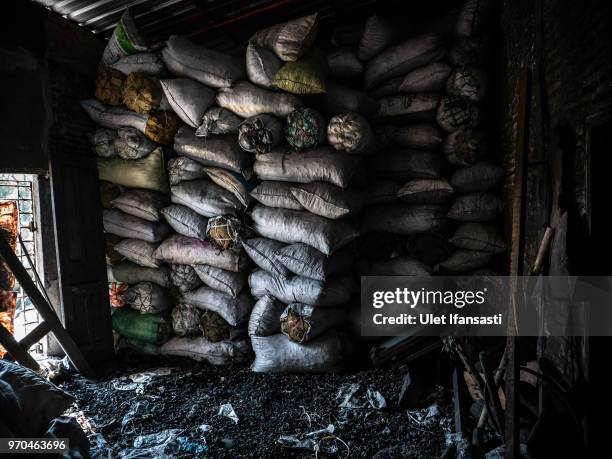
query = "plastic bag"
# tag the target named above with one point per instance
(184, 277)
(404, 219)
(261, 250)
(147, 297)
(138, 251)
(306, 261)
(303, 322)
(476, 207)
(132, 144)
(265, 316)
(352, 133)
(128, 226)
(218, 120)
(425, 191)
(217, 151)
(228, 282)
(292, 226)
(276, 194)
(317, 165)
(305, 128)
(125, 40)
(206, 198)
(278, 354)
(327, 200)
(190, 251)
(261, 65)
(297, 289)
(131, 273)
(185, 221)
(235, 311)
(148, 173)
(189, 99)
(246, 100)
(212, 68)
(289, 40)
(260, 133)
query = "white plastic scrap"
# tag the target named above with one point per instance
(346, 394)
(376, 399)
(228, 411)
(317, 433)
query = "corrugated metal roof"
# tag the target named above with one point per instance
(221, 23)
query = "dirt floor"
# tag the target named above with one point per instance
(268, 406)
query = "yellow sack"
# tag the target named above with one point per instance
(148, 173)
(162, 126)
(141, 94)
(303, 77)
(109, 86)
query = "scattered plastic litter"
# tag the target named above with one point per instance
(127, 423)
(138, 381)
(352, 397)
(228, 411)
(317, 433)
(375, 399)
(426, 416)
(347, 395)
(168, 443)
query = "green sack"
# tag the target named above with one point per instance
(148, 328)
(148, 173)
(302, 77)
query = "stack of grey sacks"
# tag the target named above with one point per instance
(303, 216)
(428, 205)
(132, 218)
(176, 266)
(295, 171)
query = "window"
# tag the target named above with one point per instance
(22, 189)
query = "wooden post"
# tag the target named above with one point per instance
(44, 309)
(512, 417)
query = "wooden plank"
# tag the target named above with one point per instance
(17, 352)
(39, 332)
(44, 309)
(517, 250)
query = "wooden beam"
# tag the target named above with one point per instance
(517, 251)
(16, 351)
(39, 332)
(44, 309)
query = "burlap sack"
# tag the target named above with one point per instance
(162, 126)
(141, 94)
(109, 86)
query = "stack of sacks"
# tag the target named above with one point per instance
(476, 207)
(134, 185)
(426, 124)
(209, 184)
(407, 191)
(304, 207)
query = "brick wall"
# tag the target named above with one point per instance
(567, 47)
(72, 58)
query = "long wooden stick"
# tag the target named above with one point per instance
(45, 310)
